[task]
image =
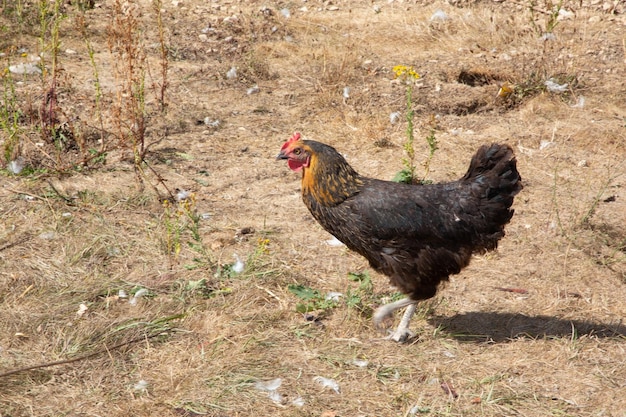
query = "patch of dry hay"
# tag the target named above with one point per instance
(551, 342)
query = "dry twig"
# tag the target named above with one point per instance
(106, 349)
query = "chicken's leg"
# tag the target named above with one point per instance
(402, 333)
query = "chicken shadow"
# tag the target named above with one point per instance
(504, 327)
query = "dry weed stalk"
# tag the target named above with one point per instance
(106, 349)
(82, 28)
(55, 127)
(161, 87)
(597, 239)
(129, 111)
(50, 113)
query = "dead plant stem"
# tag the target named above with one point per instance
(83, 357)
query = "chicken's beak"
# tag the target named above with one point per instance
(281, 155)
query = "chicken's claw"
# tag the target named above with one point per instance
(384, 313)
(401, 335)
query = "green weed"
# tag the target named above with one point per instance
(181, 222)
(551, 10)
(51, 127)
(361, 297)
(10, 120)
(97, 156)
(312, 299)
(408, 174)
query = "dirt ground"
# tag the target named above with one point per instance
(188, 308)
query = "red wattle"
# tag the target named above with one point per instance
(295, 165)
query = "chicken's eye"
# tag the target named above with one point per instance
(297, 151)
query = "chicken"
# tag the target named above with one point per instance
(417, 235)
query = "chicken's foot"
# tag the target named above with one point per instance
(403, 333)
(384, 312)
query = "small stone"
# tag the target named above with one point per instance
(25, 69)
(47, 235)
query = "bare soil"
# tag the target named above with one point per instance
(533, 329)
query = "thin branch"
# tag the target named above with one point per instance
(80, 358)
(25, 193)
(17, 242)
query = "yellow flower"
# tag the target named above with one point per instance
(404, 71)
(263, 245)
(506, 90)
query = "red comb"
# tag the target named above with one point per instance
(294, 138)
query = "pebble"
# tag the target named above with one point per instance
(47, 235)
(23, 69)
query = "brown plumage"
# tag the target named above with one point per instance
(417, 235)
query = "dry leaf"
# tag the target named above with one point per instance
(449, 389)
(515, 290)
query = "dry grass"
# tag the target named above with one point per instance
(534, 329)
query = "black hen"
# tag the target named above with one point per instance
(417, 235)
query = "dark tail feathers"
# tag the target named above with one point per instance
(493, 175)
